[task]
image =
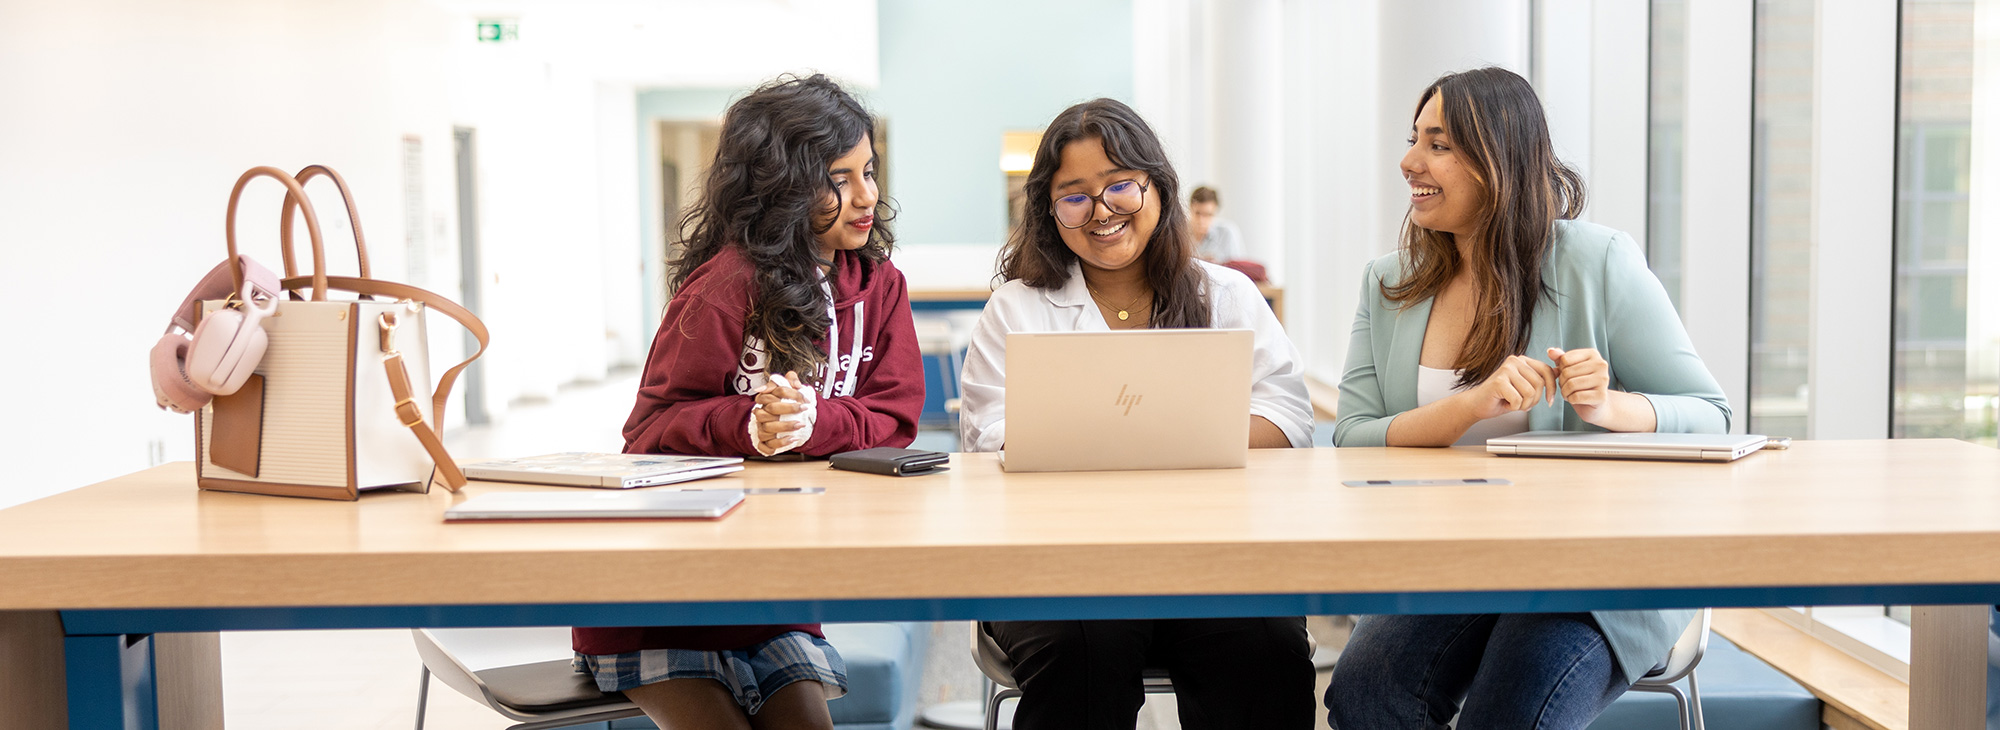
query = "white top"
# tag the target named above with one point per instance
(1224, 242)
(1277, 390)
(1435, 385)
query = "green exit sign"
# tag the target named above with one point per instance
(499, 31)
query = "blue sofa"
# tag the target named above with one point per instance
(885, 666)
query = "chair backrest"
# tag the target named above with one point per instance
(1686, 652)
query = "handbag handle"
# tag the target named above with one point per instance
(294, 191)
(399, 378)
(305, 175)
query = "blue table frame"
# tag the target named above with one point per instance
(109, 652)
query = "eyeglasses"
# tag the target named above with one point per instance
(1124, 197)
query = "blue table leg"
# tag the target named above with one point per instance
(111, 682)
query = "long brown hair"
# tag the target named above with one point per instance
(1035, 253)
(1496, 124)
(762, 195)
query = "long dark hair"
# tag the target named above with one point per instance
(1035, 253)
(1496, 125)
(762, 195)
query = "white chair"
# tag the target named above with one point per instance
(999, 671)
(1681, 661)
(522, 673)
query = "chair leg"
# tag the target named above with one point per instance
(423, 696)
(1680, 705)
(1694, 702)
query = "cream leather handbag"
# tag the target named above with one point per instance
(332, 409)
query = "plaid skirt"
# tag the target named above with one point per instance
(752, 674)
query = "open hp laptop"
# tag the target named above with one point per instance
(1139, 399)
(1667, 446)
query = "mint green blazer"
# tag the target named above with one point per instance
(1603, 297)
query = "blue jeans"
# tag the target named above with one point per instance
(1549, 671)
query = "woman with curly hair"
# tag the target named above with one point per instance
(785, 271)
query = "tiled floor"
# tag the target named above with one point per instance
(365, 680)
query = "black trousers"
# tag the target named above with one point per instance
(1228, 673)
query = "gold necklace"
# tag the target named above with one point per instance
(1124, 312)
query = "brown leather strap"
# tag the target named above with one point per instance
(295, 192)
(306, 175)
(465, 318)
(413, 417)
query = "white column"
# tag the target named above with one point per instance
(1421, 41)
(1853, 218)
(1342, 87)
(1249, 126)
(1170, 80)
(1619, 123)
(1715, 193)
(1379, 56)
(1564, 68)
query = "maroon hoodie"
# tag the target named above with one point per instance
(694, 397)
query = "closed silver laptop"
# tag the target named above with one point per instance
(707, 504)
(1666, 446)
(1127, 400)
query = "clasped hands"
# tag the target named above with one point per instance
(782, 414)
(1582, 377)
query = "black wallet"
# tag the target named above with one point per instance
(893, 462)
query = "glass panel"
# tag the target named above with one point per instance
(1945, 358)
(1669, 109)
(1781, 217)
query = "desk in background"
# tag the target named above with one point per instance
(1825, 523)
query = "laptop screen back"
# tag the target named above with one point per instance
(1142, 399)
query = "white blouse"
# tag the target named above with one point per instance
(1435, 385)
(1277, 390)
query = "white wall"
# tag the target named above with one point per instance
(126, 123)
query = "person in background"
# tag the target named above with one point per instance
(1502, 314)
(1218, 240)
(785, 271)
(1104, 245)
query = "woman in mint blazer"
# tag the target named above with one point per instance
(1502, 314)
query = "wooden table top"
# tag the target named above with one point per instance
(1822, 513)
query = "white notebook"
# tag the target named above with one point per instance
(605, 471)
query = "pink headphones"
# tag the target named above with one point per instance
(195, 362)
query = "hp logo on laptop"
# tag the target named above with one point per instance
(1127, 400)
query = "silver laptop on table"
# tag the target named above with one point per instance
(1127, 400)
(1666, 446)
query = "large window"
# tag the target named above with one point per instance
(1781, 217)
(1945, 364)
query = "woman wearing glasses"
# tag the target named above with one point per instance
(1105, 245)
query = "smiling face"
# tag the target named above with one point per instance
(1107, 241)
(1445, 191)
(850, 209)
